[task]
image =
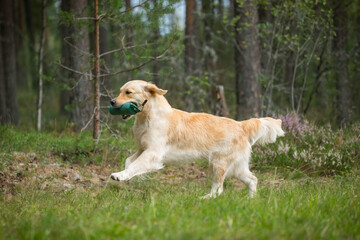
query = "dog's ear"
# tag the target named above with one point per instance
(154, 89)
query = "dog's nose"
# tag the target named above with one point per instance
(113, 102)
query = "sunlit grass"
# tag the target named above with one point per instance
(148, 209)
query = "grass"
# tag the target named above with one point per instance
(304, 192)
(149, 209)
(67, 145)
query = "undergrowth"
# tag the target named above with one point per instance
(313, 149)
(306, 147)
(70, 146)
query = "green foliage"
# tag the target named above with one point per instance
(297, 35)
(200, 87)
(144, 34)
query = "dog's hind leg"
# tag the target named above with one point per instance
(219, 165)
(242, 172)
(218, 177)
(249, 180)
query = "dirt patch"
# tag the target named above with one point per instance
(27, 169)
(177, 173)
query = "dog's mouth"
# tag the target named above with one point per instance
(126, 117)
(135, 103)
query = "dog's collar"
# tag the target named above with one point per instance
(143, 104)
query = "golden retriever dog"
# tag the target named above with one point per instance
(164, 134)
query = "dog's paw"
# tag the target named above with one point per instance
(251, 194)
(119, 176)
(207, 196)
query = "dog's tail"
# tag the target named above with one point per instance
(262, 130)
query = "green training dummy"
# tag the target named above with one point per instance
(126, 109)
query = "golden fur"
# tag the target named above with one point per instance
(163, 134)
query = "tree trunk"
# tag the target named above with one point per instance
(155, 38)
(207, 46)
(22, 74)
(341, 71)
(40, 68)
(231, 10)
(31, 69)
(9, 60)
(75, 51)
(209, 55)
(190, 37)
(268, 55)
(105, 83)
(96, 131)
(129, 30)
(220, 9)
(82, 91)
(65, 93)
(288, 76)
(290, 71)
(247, 61)
(29, 21)
(3, 110)
(191, 56)
(221, 108)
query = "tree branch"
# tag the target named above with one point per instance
(125, 11)
(129, 9)
(73, 70)
(141, 65)
(123, 48)
(79, 49)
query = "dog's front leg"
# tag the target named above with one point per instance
(148, 161)
(132, 158)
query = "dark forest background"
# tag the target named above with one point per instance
(269, 57)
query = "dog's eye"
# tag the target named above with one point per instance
(127, 92)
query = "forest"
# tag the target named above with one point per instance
(63, 61)
(271, 57)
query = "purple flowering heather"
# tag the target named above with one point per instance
(318, 149)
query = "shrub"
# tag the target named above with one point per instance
(315, 149)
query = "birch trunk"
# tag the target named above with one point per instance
(40, 68)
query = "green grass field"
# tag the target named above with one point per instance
(150, 209)
(56, 186)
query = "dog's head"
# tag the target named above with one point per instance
(137, 92)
